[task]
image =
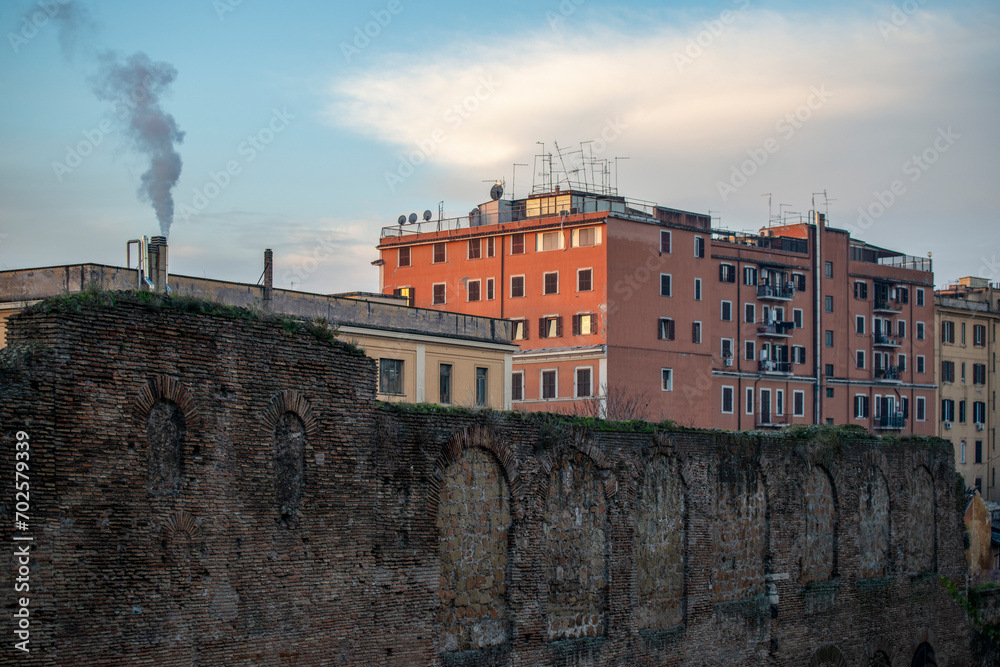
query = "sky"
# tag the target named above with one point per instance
(306, 127)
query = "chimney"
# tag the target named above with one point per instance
(157, 265)
(268, 275)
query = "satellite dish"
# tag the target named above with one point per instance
(496, 192)
(413, 218)
(474, 217)
(402, 220)
(427, 215)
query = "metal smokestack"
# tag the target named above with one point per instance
(157, 264)
(268, 275)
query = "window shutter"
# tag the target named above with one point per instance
(576, 325)
(541, 327)
(559, 328)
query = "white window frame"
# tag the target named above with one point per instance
(469, 246)
(439, 303)
(722, 311)
(468, 292)
(920, 365)
(962, 460)
(544, 275)
(857, 405)
(921, 330)
(860, 320)
(698, 237)
(901, 328)
(670, 242)
(753, 310)
(541, 383)
(732, 399)
(722, 348)
(698, 289)
(901, 362)
(779, 402)
(920, 296)
(701, 332)
(666, 379)
(670, 279)
(578, 271)
(751, 346)
(860, 355)
(798, 318)
(796, 401)
(920, 408)
(576, 371)
(524, 327)
(748, 401)
(523, 388)
(524, 287)
(574, 237)
(540, 241)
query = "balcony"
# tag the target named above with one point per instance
(776, 292)
(768, 367)
(888, 375)
(893, 421)
(888, 306)
(771, 420)
(881, 340)
(775, 329)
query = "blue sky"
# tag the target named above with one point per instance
(890, 108)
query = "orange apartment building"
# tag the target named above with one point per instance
(716, 329)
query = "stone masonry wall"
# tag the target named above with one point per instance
(207, 490)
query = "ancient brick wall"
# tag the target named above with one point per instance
(215, 491)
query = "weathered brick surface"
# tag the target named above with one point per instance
(213, 491)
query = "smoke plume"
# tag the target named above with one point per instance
(134, 86)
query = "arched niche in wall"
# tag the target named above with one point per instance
(820, 515)
(660, 541)
(166, 413)
(873, 523)
(289, 418)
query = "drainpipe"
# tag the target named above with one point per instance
(818, 317)
(268, 277)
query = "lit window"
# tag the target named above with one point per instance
(520, 329)
(584, 324)
(550, 327)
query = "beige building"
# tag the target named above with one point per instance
(966, 318)
(422, 355)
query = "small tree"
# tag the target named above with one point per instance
(618, 402)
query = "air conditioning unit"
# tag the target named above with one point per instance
(728, 361)
(947, 425)
(980, 427)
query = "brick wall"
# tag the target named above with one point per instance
(207, 490)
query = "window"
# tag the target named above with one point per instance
(473, 290)
(798, 354)
(584, 237)
(947, 410)
(664, 241)
(490, 291)
(860, 358)
(979, 412)
(727, 400)
(829, 392)
(727, 273)
(727, 348)
(861, 406)
(548, 241)
(859, 324)
(408, 292)
(828, 269)
(697, 289)
(800, 281)
(979, 451)
(901, 328)
(920, 364)
(921, 408)
(404, 256)
(727, 311)
(475, 248)
(749, 350)
(584, 324)
(903, 294)
(440, 253)
(828, 337)
(438, 296)
(665, 329)
(584, 280)
(828, 302)
(550, 383)
(583, 382)
(482, 384)
(444, 383)
(978, 373)
(901, 362)
(798, 403)
(516, 286)
(947, 371)
(696, 332)
(963, 372)
(550, 327)
(517, 386)
(860, 290)
(491, 246)
(920, 330)
(665, 284)
(749, 313)
(962, 455)
(920, 296)
(750, 275)
(828, 370)
(667, 379)
(947, 331)
(797, 317)
(699, 246)
(520, 331)
(390, 376)
(961, 412)
(963, 333)
(517, 244)
(978, 335)
(550, 283)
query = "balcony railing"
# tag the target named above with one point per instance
(890, 374)
(888, 306)
(775, 292)
(771, 420)
(775, 367)
(775, 329)
(881, 340)
(891, 421)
